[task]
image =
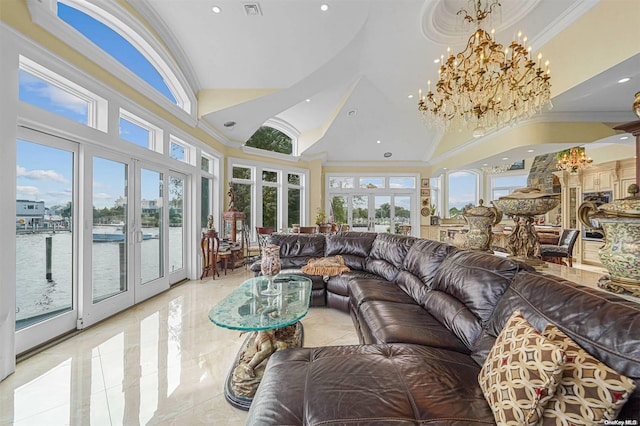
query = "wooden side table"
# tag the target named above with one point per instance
(209, 244)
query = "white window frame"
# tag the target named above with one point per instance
(445, 191)
(97, 106)
(256, 183)
(44, 13)
(154, 142)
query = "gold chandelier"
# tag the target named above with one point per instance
(486, 86)
(573, 160)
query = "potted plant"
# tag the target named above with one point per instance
(435, 220)
(321, 217)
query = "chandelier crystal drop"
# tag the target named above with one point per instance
(574, 160)
(486, 86)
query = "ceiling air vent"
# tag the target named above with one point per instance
(252, 9)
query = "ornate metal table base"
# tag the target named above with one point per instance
(618, 287)
(248, 367)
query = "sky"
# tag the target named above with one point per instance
(46, 173)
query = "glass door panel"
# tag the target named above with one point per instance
(339, 207)
(382, 213)
(151, 221)
(270, 207)
(110, 235)
(176, 223)
(44, 233)
(402, 214)
(360, 219)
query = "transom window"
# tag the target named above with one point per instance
(140, 132)
(45, 89)
(271, 139)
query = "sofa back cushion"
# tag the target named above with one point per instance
(354, 247)
(420, 266)
(603, 324)
(465, 290)
(297, 249)
(387, 255)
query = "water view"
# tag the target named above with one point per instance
(37, 296)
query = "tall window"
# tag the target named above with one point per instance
(281, 194)
(462, 191)
(294, 189)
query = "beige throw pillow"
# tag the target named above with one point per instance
(521, 373)
(589, 391)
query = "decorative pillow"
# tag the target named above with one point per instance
(521, 373)
(589, 391)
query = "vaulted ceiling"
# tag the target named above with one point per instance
(345, 81)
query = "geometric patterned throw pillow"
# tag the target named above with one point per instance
(589, 391)
(521, 373)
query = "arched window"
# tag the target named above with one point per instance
(126, 48)
(271, 139)
(115, 45)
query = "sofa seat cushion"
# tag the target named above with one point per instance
(365, 290)
(392, 322)
(339, 284)
(372, 384)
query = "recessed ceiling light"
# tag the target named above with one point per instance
(324, 7)
(505, 158)
(444, 168)
(377, 141)
(307, 100)
(229, 124)
(216, 9)
(530, 150)
(436, 61)
(410, 96)
(387, 154)
(624, 80)
(485, 165)
(622, 138)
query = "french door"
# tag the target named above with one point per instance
(125, 233)
(46, 238)
(373, 212)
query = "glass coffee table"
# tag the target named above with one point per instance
(273, 321)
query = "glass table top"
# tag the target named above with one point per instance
(248, 309)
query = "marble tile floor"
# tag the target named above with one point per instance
(159, 363)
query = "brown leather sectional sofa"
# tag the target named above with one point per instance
(427, 315)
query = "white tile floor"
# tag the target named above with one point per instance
(159, 363)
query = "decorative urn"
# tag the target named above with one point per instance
(481, 220)
(523, 204)
(620, 254)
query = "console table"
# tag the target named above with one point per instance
(273, 322)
